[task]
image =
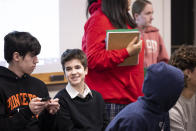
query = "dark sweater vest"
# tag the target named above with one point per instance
(80, 114)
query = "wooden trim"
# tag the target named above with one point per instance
(45, 77)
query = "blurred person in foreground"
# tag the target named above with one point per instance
(162, 87)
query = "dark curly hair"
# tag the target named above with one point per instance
(184, 58)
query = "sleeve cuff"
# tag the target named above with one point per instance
(125, 53)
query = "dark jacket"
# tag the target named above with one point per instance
(15, 95)
(80, 114)
(162, 87)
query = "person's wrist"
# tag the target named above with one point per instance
(128, 50)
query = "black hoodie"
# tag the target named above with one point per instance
(15, 95)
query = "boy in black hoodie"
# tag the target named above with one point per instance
(21, 105)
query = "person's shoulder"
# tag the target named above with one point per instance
(95, 93)
(97, 20)
(133, 116)
(177, 116)
(98, 15)
(62, 94)
(135, 108)
(5, 73)
(176, 112)
(35, 80)
(151, 29)
(178, 107)
(128, 120)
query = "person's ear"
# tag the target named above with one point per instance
(16, 56)
(65, 76)
(65, 72)
(188, 72)
(135, 15)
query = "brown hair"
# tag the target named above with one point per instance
(71, 54)
(138, 6)
(184, 58)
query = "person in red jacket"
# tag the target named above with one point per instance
(154, 50)
(118, 85)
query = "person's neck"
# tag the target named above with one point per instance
(188, 92)
(80, 88)
(141, 28)
(15, 70)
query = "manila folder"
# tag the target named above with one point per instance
(119, 39)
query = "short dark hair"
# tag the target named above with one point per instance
(117, 12)
(71, 54)
(184, 58)
(21, 42)
(138, 6)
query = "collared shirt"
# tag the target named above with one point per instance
(74, 93)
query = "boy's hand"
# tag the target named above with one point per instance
(37, 106)
(53, 106)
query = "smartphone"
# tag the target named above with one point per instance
(45, 99)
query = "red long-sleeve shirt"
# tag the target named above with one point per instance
(120, 85)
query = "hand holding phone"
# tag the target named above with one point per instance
(45, 99)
